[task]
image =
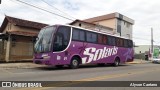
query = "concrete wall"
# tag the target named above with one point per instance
(109, 23)
(141, 48)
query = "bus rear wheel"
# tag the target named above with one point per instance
(116, 62)
(74, 63)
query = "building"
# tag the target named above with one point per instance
(120, 24)
(143, 51)
(143, 48)
(92, 26)
(17, 38)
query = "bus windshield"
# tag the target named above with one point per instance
(43, 44)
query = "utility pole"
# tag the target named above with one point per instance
(152, 43)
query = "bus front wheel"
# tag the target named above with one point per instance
(74, 63)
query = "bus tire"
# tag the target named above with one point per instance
(74, 63)
(59, 66)
(116, 62)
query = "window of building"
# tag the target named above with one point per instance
(91, 37)
(119, 22)
(119, 26)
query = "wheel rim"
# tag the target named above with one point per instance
(75, 63)
(117, 62)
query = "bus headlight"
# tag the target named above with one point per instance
(46, 57)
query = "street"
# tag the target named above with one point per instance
(126, 72)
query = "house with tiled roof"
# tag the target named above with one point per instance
(17, 38)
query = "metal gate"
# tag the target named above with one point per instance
(2, 50)
(21, 51)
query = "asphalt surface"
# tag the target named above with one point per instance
(126, 72)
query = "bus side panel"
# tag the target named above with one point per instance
(89, 53)
(96, 53)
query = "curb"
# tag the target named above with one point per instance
(19, 66)
(137, 62)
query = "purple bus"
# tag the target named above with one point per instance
(61, 45)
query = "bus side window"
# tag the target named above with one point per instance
(130, 43)
(78, 34)
(125, 43)
(100, 39)
(75, 35)
(111, 41)
(104, 39)
(82, 35)
(119, 42)
(91, 37)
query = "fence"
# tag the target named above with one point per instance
(140, 56)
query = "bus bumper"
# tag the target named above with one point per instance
(42, 62)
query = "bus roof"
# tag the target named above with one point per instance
(90, 30)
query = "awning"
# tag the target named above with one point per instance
(3, 36)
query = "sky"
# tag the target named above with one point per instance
(145, 13)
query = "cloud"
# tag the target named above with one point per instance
(145, 13)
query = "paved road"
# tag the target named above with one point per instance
(127, 72)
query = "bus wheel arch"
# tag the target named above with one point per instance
(75, 61)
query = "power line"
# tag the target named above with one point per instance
(57, 9)
(44, 10)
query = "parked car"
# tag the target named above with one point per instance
(156, 60)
